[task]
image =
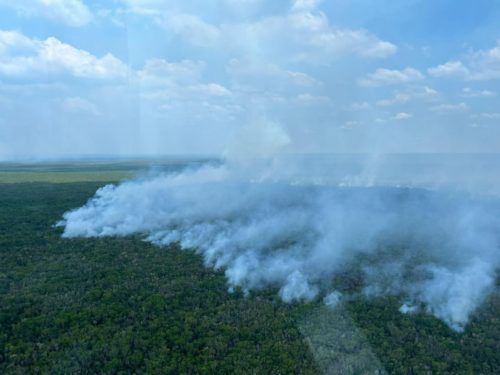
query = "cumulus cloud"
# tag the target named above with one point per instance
(360, 106)
(160, 72)
(268, 74)
(305, 4)
(70, 12)
(467, 92)
(309, 99)
(400, 97)
(193, 29)
(477, 66)
(162, 80)
(402, 116)
(449, 69)
(485, 65)
(21, 56)
(303, 33)
(211, 89)
(24, 56)
(307, 36)
(450, 108)
(487, 116)
(383, 77)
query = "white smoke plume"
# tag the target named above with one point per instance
(270, 226)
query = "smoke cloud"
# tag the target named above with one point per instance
(308, 228)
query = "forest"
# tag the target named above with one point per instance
(121, 306)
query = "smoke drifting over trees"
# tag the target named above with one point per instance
(271, 224)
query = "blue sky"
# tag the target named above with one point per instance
(146, 77)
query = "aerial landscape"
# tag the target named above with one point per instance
(249, 187)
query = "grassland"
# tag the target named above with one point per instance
(85, 171)
(62, 177)
(121, 305)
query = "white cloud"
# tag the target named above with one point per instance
(399, 98)
(308, 36)
(309, 99)
(302, 79)
(172, 89)
(357, 42)
(360, 106)
(211, 89)
(69, 12)
(256, 71)
(174, 16)
(193, 29)
(267, 85)
(159, 72)
(467, 92)
(20, 56)
(477, 66)
(429, 93)
(383, 77)
(487, 116)
(157, 7)
(161, 78)
(485, 65)
(79, 62)
(305, 4)
(178, 86)
(449, 69)
(349, 125)
(416, 93)
(402, 116)
(10, 40)
(243, 5)
(450, 108)
(303, 33)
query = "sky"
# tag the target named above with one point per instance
(178, 77)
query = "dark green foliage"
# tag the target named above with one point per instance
(421, 344)
(121, 305)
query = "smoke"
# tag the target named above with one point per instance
(289, 225)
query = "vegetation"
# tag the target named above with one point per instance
(121, 305)
(62, 177)
(85, 171)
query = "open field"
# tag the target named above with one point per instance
(121, 305)
(102, 171)
(62, 177)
